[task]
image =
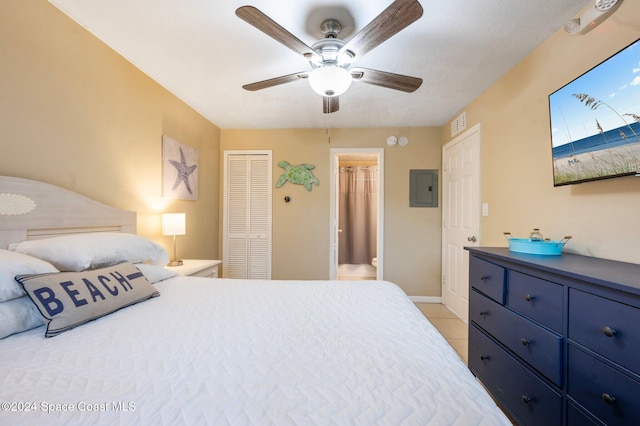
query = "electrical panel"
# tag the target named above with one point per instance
(423, 188)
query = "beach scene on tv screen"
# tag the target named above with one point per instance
(595, 121)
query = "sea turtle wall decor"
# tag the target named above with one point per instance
(300, 175)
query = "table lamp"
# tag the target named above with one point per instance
(174, 224)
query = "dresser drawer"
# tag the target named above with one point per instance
(523, 395)
(537, 346)
(592, 384)
(487, 278)
(606, 327)
(536, 298)
(577, 418)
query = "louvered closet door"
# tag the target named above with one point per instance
(247, 220)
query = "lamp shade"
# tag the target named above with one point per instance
(174, 224)
(330, 80)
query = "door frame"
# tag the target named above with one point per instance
(333, 203)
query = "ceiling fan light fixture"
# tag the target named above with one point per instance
(330, 80)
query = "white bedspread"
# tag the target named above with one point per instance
(246, 353)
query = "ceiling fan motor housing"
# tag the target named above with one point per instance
(328, 50)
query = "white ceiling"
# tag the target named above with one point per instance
(201, 52)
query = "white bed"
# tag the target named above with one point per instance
(241, 352)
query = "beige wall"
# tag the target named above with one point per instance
(603, 217)
(76, 114)
(301, 227)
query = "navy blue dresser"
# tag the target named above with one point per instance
(556, 339)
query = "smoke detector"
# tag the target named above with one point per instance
(592, 16)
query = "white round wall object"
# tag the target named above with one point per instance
(14, 204)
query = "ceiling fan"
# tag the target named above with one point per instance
(331, 58)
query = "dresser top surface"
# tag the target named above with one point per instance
(610, 273)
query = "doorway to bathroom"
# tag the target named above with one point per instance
(357, 223)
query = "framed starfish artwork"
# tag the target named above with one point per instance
(179, 170)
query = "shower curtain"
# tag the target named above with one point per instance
(358, 192)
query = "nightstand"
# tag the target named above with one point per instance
(198, 268)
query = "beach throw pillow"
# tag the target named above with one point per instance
(69, 299)
(12, 264)
(80, 252)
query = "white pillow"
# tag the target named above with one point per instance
(155, 273)
(80, 252)
(18, 315)
(12, 264)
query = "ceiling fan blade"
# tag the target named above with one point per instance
(271, 28)
(390, 80)
(399, 15)
(330, 104)
(275, 81)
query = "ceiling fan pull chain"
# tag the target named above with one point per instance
(326, 107)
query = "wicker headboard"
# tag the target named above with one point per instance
(30, 209)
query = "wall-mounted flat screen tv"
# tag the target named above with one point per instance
(595, 121)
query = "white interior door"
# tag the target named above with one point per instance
(247, 214)
(460, 217)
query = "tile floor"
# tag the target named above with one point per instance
(356, 272)
(452, 328)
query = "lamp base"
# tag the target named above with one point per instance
(175, 263)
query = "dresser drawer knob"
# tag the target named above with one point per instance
(609, 332)
(608, 398)
(484, 278)
(528, 298)
(484, 358)
(526, 399)
(484, 314)
(524, 341)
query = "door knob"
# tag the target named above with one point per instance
(473, 239)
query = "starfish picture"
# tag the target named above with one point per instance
(184, 171)
(179, 170)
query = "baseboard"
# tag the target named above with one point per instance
(425, 299)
